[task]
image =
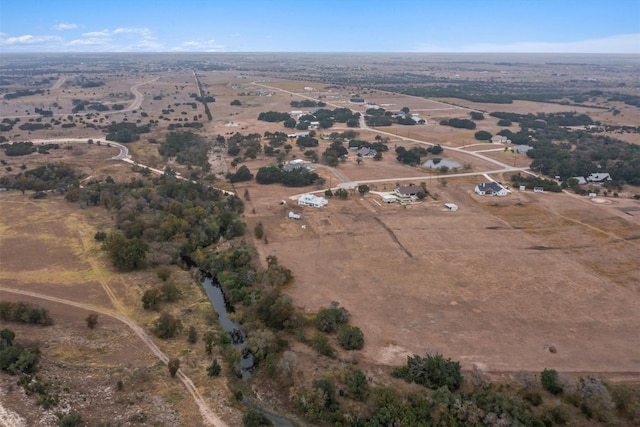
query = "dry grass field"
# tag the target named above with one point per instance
(47, 248)
(491, 285)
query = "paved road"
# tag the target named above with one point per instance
(139, 97)
(208, 416)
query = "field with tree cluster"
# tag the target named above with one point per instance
(131, 183)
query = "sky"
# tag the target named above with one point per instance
(554, 26)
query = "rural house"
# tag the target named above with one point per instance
(366, 153)
(499, 139)
(313, 201)
(521, 149)
(599, 177)
(491, 189)
(294, 165)
(409, 191)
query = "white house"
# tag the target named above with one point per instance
(491, 189)
(499, 139)
(313, 201)
(409, 191)
(599, 177)
(294, 165)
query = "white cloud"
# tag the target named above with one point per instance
(199, 46)
(91, 41)
(64, 27)
(103, 33)
(29, 39)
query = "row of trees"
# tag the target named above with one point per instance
(295, 178)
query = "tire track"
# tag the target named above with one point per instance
(209, 417)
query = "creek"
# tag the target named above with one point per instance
(238, 340)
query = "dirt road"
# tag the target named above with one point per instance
(208, 416)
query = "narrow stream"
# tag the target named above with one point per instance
(238, 339)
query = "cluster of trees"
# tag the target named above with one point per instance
(52, 176)
(539, 120)
(242, 174)
(295, 178)
(21, 93)
(7, 124)
(432, 371)
(91, 83)
(188, 149)
(162, 218)
(459, 123)
(24, 312)
(125, 131)
(530, 182)
(273, 116)
(31, 126)
(243, 147)
(15, 359)
(414, 155)
(307, 103)
(326, 118)
(483, 135)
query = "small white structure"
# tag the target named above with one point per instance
(298, 134)
(538, 190)
(389, 198)
(293, 215)
(523, 188)
(313, 201)
(451, 206)
(491, 189)
(592, 195)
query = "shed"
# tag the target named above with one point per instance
(538, 190)
(293, 215)
(451, 206)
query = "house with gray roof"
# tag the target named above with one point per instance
(491, 189)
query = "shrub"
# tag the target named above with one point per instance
(328, 319)
(166, 326)
(214, 369)
(550, 381)
(71, 419)
(92, 320)
(321, 344)
(431, 371)
(255, 419)
(351, 338)
(174, 365)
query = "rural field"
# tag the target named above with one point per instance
(525, 282)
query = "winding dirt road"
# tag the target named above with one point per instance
(208, 416)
